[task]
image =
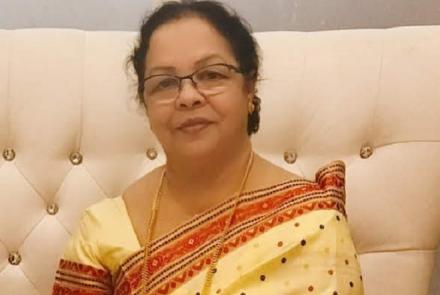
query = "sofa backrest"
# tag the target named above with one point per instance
(71, 133)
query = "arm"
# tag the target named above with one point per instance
(79, 270)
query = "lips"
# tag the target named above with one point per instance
(194, 122)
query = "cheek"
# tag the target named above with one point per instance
(159, 122)
(232, 108)
(240, 104)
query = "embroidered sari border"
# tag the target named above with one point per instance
(216, 212)
(76, 278)
(176, 279)
(243, 227)
(220, 209)
(300, 199)
(225, 206)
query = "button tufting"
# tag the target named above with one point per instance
(151, 153)
(52, 208)
(8, 154)
(290, 157)
(76, 158)
(366, 151)
(14, 258)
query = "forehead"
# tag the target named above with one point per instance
(181, 43)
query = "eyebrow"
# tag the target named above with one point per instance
(197, 63)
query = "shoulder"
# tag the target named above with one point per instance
(267, 174)
(101, 217)
(102, 208)
(137, 199)
(325, 179)
(95, 223)
(136, 194)
(110, 213)
(272, 172)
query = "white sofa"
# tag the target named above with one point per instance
(72, 134)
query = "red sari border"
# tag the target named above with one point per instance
(174, 264)
(177, 259)
(74, 278)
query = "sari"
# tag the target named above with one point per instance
(289, 238)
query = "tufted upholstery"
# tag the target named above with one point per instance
(368, 97)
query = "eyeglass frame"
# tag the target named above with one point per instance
(190, 76)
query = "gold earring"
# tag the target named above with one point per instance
(251, 107)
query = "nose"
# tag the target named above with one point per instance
(189, 97)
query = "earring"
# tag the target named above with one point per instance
(251, 107)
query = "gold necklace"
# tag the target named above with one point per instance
(152, 222)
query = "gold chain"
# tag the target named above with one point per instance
(219, 247)
(151, 225)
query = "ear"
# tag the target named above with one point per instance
(249, 89)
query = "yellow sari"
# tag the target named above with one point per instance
(290, 238)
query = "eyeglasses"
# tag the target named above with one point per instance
(209, 80)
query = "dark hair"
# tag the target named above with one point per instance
(226, 21)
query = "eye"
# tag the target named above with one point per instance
(166, 83)
(210, 75)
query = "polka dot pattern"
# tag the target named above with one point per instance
(296, 266)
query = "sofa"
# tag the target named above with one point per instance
(72, 133)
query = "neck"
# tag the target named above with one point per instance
(200, 183)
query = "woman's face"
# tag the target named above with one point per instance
(180, 48)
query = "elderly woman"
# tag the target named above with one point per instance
(216, 218)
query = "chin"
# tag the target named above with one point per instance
(194, 147)
(197, 149)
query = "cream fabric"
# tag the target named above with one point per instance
(290, 237)
(325, 95)
(105, 237)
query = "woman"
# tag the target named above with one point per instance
(216, 218)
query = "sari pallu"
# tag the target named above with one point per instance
(289, 238)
